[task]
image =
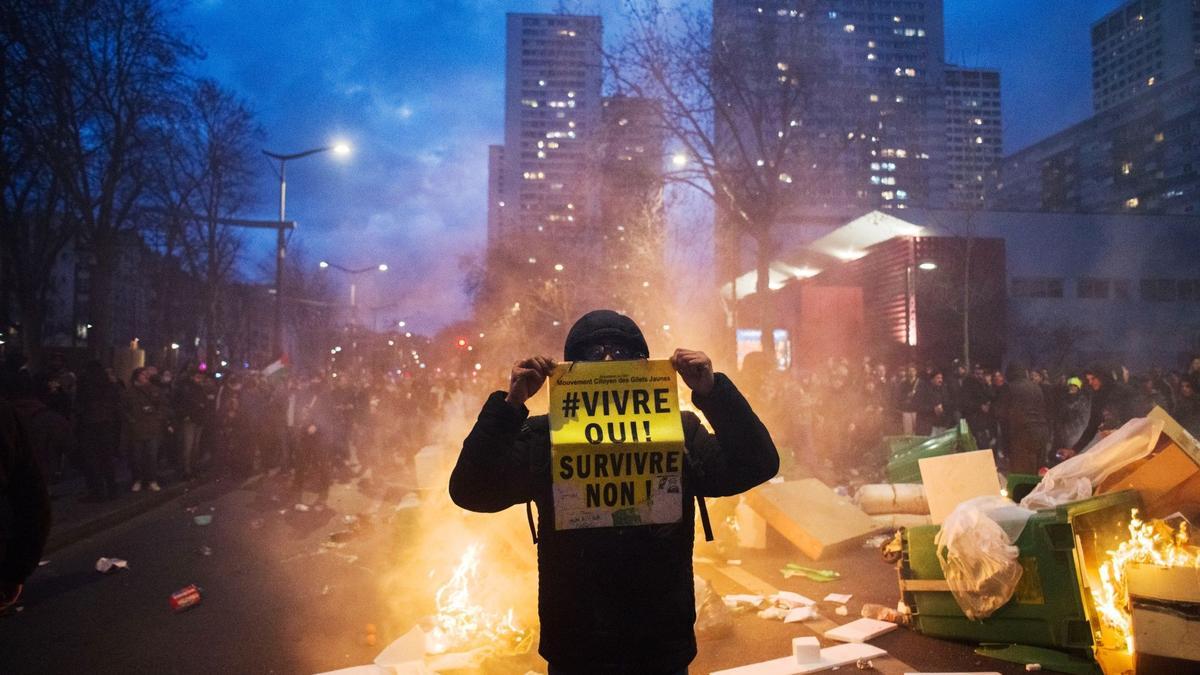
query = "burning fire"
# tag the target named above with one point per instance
(462, 624)
(1153, 543)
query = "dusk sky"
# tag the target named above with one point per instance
(417, 88)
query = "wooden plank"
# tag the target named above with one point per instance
(924, 585)
(952, 479)
(811, 516)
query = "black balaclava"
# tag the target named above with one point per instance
(603, 325)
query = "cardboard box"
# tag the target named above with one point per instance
(812, 516)
(1165, 604)
(1169, 479)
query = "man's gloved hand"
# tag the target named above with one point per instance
(527, 378)
(695, 368)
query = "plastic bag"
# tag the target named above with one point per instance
(976, 552)
(713, 618)
(1075, 478)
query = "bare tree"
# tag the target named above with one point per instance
(114, 73)
(34, 225)
(736, 104)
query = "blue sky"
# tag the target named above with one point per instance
(417, 87)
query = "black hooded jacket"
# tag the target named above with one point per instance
(619, 599)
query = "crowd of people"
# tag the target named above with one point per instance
(835, 417)
(138, 434)
(157, 426)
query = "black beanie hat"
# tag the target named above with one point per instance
(603, 325)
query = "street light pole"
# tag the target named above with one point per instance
(381, 267)
(280, 242)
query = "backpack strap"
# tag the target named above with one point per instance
(708, 533)
(529, 517)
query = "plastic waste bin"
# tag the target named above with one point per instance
(904, 465)
(1052, 604)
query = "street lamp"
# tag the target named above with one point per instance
(340, 149)
(354, 274)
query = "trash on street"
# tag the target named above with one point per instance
(107, 565)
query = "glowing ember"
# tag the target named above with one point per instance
(1152, 543)
(461, 624)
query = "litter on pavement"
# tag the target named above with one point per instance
(202, 520)
(830, 657)
(860, 630)
(839, 598)
(186, 597)
(793, 570)
(106, 565)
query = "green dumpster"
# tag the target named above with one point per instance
(1052, 604)
(904, 466)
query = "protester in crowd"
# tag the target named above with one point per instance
(628, 586)
(191, 418)
(48, 432)
(317, 420)
(1187, 409)
(976, 407)
(98, 425)
(906, 400)
(935, 408)
(24, 507)
(1021, 411)
(1072, 410)
(146, 414)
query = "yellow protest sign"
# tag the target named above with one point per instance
(616, 444)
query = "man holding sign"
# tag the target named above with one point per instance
(614, 470)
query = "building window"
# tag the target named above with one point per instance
(1092, 288)
(1189, 290)
(1159, 290)
(1036, 287)
(1120, 289)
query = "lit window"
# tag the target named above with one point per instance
(1150, 81)
(889, 180)
(977, 122)
(875, 180)
(1158, 137)
(871, 44)
(1131, 203)
(782, 66)
(888, 195)
(1126, 168)
(832, 15)
(896, 19)
(871, 56)
(979, 140)
(874, 98)
(899, 98)
(901, 153)
(849, 28)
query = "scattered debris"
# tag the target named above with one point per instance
(188, 596)
(204, 551)
(202, 520)
(742, 601)
(877, 541)
(799, 614)
(733, 563)
(106, 565)
(791, 600)
(864, 664)
(806, 649)
(43, 563)
(1032, 667)
(774, 613)
(302, 508)
(410, 501)
(839, 598)
(871, 610)
(793, 570)
(256, 524)
(841, 611)
(325, 589)
(860, 630)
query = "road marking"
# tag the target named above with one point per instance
(888, 665)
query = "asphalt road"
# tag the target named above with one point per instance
(280, 597)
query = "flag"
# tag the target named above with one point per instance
(277, 369)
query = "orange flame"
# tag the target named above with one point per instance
(462, 624)
(1154, 543)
